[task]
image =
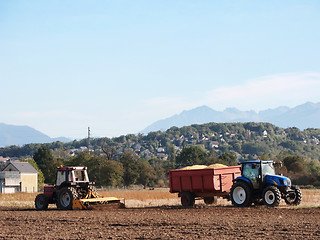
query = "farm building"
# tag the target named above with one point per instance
(18, 177)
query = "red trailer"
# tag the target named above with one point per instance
(207, 183)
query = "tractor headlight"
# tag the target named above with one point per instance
(287, 182)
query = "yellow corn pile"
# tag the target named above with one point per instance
(194, 167)
(216, 165)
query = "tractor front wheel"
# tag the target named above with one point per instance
(65, 198)
(240, 194)
(295, 197)
(41, 202)
(271, 196)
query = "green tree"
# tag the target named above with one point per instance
(83, 159)
(228, 159)
(294, 133)
(253, 148)
(191, 155)
(147, 174)
(265, 156)
(212, 158)
(129, 161)
(313, 166)
(295, 164)
(236, 146)
(112, 173)
(47, 164)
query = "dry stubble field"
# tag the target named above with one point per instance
(158, 215)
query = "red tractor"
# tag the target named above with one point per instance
(71, 191)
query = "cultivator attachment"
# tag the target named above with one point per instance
(93, 200)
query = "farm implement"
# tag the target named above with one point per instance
(74, 191)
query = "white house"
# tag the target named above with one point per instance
(18, 177)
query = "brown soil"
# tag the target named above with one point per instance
(217, 222)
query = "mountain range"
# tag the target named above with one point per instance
(20, 135)
(303, 116)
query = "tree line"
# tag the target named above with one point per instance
(132, 170)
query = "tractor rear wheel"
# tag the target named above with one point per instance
(271, 196)
(41, 202)
(187, 199)
(294, 198)
(240, 194)
(65, 198)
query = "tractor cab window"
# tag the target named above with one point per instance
(70, 176)
(251, 171)
(80, 176)
(61, 177)
(268, 169)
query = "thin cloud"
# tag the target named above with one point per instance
(287, 89)
(266, 92)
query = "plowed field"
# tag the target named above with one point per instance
(216, 222)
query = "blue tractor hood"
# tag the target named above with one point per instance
(278, 180)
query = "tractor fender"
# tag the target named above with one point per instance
(243, 179)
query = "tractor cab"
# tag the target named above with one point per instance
(71, 175)
(261, 173)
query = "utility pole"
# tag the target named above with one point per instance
(89, 139)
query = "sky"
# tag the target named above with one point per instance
(118, 66)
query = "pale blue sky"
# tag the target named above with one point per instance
(118, 66)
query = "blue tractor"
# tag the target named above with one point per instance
(258, 183)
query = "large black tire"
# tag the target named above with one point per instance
(187, 199)
(240, 194)
(41, 202)
(210, 200)
(271, 196)
(65, 198)
(294, 198)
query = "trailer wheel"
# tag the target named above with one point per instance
(65, 198)
(271, 196)
(210, 200)
(187, 199)
(240, 194)
(41, 202)
(294, 198)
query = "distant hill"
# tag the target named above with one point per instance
(20, 135)
(303, 116)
